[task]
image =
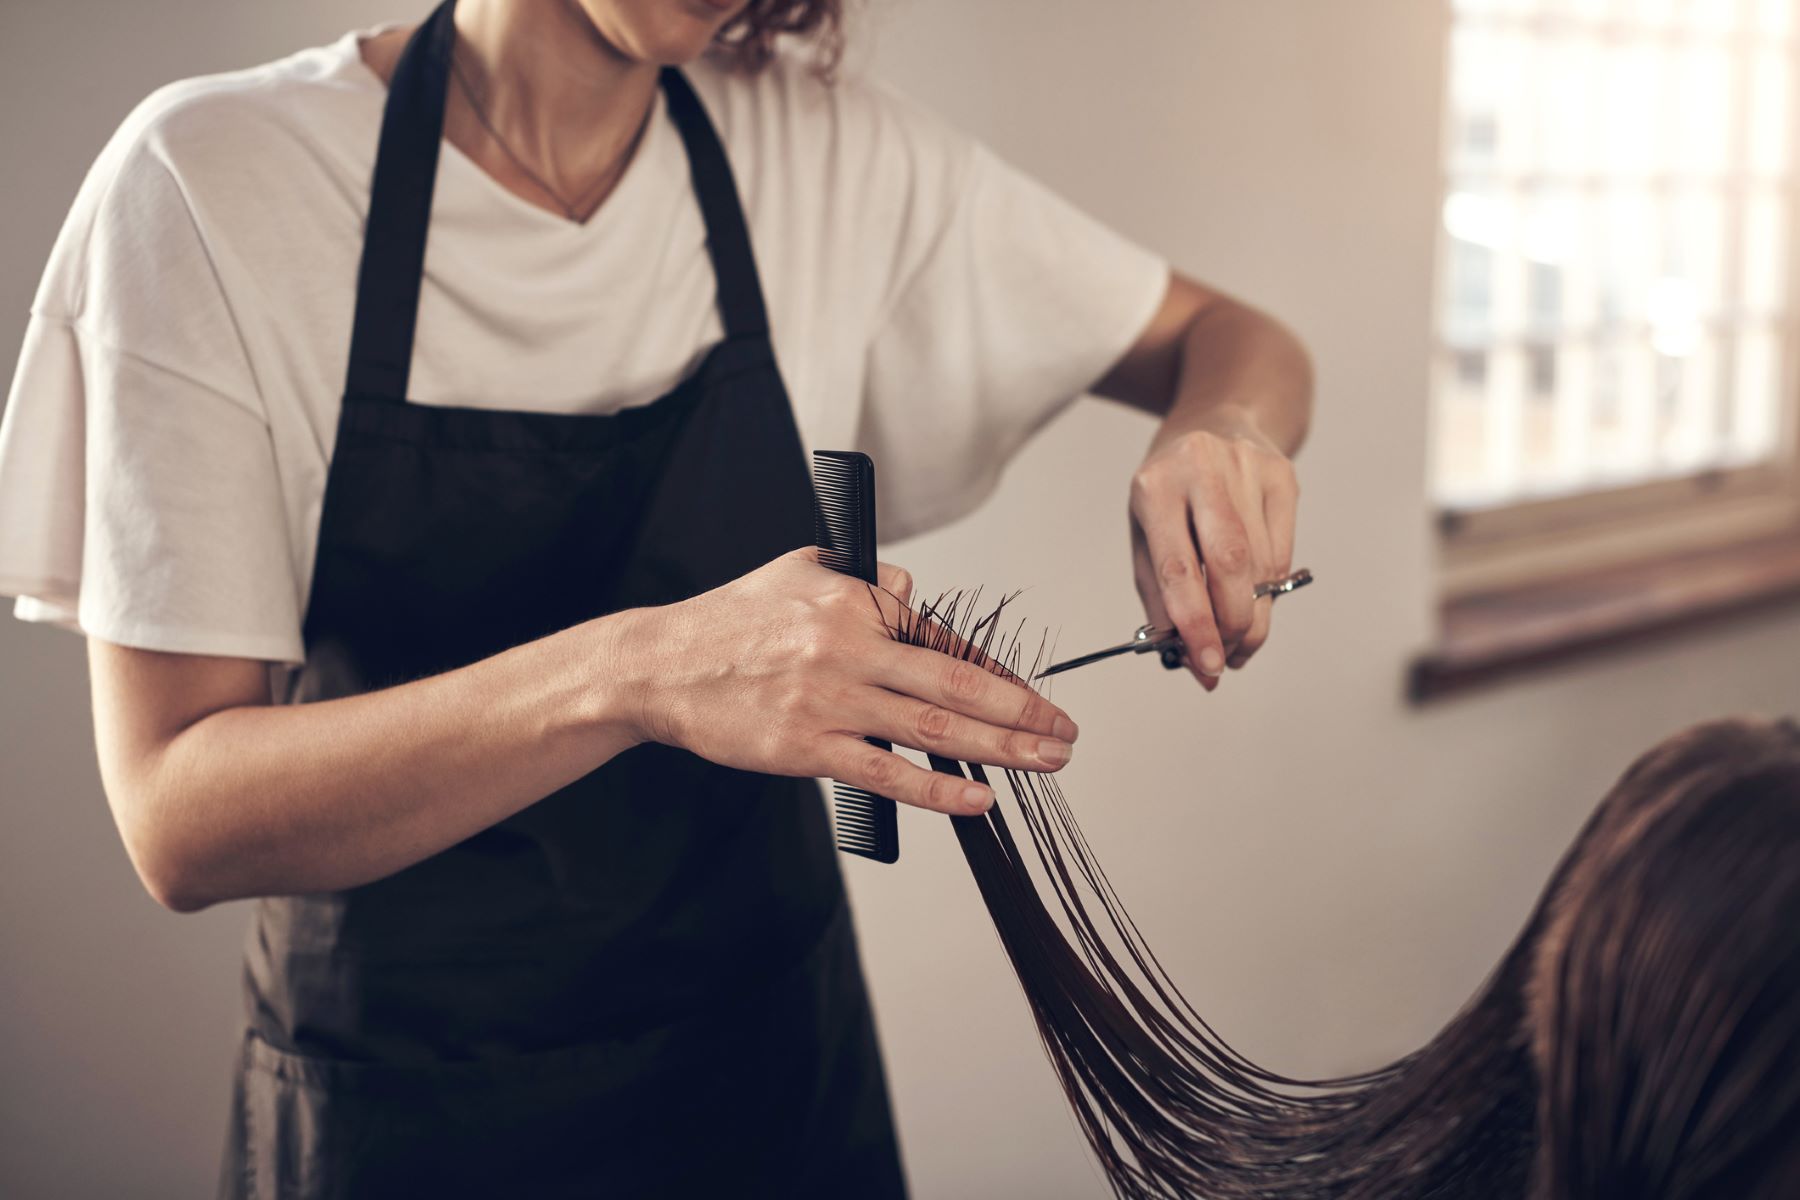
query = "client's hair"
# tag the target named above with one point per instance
(1653, 989)
(1664, 998)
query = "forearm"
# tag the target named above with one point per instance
(1207, 361)
(783, 671)
(1238, 365)
(268, 800)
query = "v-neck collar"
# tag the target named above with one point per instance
(649, 146)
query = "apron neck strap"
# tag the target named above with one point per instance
(727, 236)
(406, 162)
(393, 255)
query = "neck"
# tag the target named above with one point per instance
(561, 96)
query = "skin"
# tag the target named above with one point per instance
(220, 793)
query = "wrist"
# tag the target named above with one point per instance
(1223, 420)
(620, 698)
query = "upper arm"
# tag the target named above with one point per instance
(138, 465)
(1146, 375)
(142, 700)
(1016, 302)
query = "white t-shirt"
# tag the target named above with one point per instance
(164, 448)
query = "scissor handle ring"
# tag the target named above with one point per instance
(1281, 587)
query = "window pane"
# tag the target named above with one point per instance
(1617, 242)
(1629, 97)
(1574, 416)
(1695, 247)
(1755, 417)
(1703, 81)
(1564, 114)
(1688, 420)
(1765, 254)
(1461, 385)
(1719, 16)
(1628, 256)
(1769, 116)
(1651, 13)
(1773, 16)
(1474, 224)
(1625, 412)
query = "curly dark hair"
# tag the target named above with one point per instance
(748, 40)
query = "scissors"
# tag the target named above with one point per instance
(1167, 641)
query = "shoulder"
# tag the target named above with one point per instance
(849, 125)
(254, 110)
(255, 119)
(194, 154)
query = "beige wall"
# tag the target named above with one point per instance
(1328, 871)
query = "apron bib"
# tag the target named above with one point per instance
(647, 983)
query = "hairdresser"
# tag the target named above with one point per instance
(415, 428)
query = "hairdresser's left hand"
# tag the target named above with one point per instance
(1212, 515)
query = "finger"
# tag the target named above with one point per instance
(1281, 501)
(964, 686)
(1258, 636)
(1175, 568)
(897, 581)
(853, 761)
(934, 729)
(1229, 555)
(1248, 497)
(1145, 577)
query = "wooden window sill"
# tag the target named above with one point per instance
(1496, 634)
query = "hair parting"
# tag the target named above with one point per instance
(1168, 1107)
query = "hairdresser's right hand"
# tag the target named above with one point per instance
(786, 669)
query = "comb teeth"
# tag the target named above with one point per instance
(865, 824)
(844, 482)
(844, 485)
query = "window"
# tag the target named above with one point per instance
(1616, 366)
(1615, 303)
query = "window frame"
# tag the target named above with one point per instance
(1547, 539)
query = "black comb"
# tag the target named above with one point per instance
(844, 481)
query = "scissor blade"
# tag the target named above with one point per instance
(1085, 659)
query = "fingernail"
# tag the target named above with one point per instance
(977, 797)
(1065, 729)
(1211, 662)
(1052, 752)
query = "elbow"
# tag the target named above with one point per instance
(173, 873)
(176, 895)
(173, 882)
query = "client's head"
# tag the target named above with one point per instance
(1663, 1000)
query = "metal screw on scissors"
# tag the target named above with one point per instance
(1166, 641)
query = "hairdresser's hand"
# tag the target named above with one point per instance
(1212, 515)
(786, 669)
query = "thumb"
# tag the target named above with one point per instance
(897, 580)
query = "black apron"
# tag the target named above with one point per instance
(647, 983)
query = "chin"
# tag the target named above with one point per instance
(664, 32)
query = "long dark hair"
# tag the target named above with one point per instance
(1665, 993)
(1171, 1110)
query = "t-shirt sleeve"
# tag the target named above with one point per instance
(1018, 304)
(139, 497)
